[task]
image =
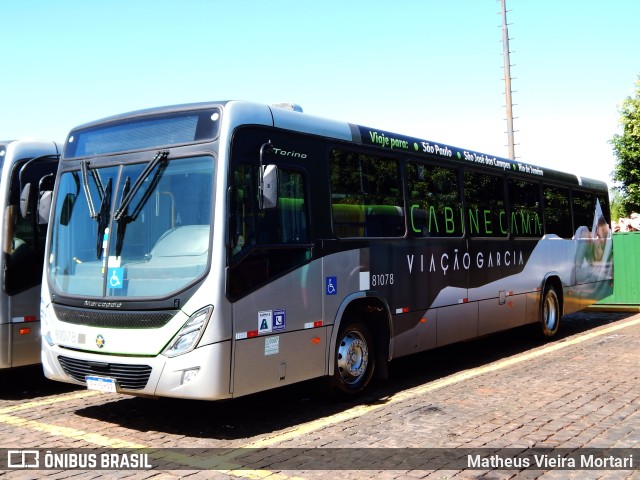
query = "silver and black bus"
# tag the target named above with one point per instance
(214, 250)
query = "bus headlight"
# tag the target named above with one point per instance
(187, 338)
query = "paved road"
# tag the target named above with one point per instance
(507, 391)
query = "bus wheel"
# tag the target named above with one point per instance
(355, 359)
(550, 313)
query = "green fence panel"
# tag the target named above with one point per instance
(626, 270)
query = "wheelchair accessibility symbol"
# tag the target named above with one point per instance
(331, 286)
(116, 278)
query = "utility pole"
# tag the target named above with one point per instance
(507, 80)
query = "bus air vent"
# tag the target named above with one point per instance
(129, 377)
(111, 319)
(288, 106)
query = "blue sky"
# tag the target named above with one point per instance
(428, 68)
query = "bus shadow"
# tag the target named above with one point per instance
(435, 364)
(286, 407)
(26, 383)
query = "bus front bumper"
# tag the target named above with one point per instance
(202, 374)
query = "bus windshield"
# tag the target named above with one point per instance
(150, 237)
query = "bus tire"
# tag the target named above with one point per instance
(550, 312)
(355, 360)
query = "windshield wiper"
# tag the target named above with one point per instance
(128, 192)
(126, 199)
(122, 225)
(84, 167)
(103, 218)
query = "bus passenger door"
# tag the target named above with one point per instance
(24, 233)
(277, 309)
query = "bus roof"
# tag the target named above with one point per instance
(295, 120)
(30, 147)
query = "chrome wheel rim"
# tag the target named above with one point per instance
(550, 312)
(353, 357)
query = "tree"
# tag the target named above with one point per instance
(626, 147)
(617, 210)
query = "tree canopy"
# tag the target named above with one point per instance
(626, 147)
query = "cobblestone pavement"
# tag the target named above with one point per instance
(510, 390)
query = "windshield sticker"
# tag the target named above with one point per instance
(105, 243)
(116, 278)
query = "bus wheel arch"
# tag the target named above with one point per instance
(359, 349)
(551, 306)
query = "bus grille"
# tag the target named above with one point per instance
(130, 377)
(109, 319)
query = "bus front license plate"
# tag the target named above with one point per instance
(102, 384)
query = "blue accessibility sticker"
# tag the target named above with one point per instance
(331, 285)
(116, 277)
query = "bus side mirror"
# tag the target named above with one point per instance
(269, 190)
(24, 200)
(67, 208)
(44, 207)
(268, 182)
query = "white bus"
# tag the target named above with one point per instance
(214, 250)
(28, 169)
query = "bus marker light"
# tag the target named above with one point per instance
(510, 304)
(24, 331)
(423, 320)
(402, 310)
(243, 335)
(315, 340)
(26, 318)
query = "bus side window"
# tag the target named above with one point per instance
(525, 215)
(434, 201)
(557, 212)
(484, 205)
(267, 243)
(366, 195)
(583, 205)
